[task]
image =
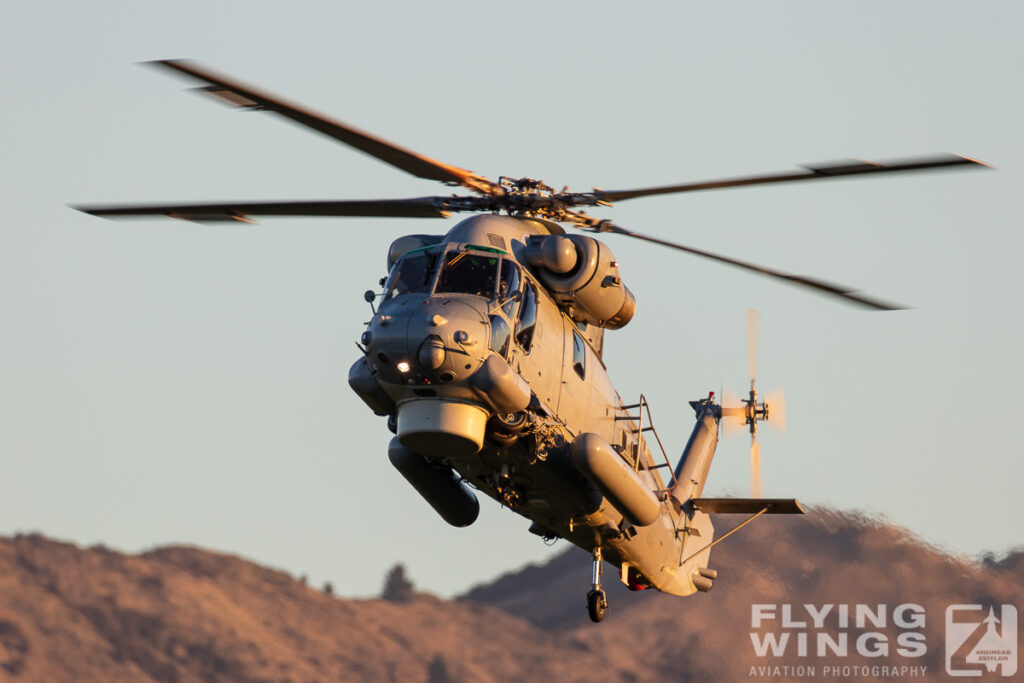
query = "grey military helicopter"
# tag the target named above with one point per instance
(484, 354)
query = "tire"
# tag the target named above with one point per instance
(501, 440)
(510, 424)
(597, 605)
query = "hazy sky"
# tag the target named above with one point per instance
(164, 382)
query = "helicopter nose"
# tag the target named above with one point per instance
(434, 341)
(443, 415)
(432, 353)
(446, 338)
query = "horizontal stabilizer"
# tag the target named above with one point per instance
(748, 506)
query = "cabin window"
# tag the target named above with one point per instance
(508, 287)
(468, 273)
(579, 355)
(527, 318)
(412, 274)
(500, 335)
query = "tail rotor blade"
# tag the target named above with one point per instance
(752, 325)
(755, 469)
(776, 402)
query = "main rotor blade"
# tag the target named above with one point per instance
(820, 285)
(422, 207)
(830, 170)
(241, 95)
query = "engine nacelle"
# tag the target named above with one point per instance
(588, 286)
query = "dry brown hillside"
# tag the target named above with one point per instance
(185, 614)
(823, 558)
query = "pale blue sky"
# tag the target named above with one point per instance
(165, 382)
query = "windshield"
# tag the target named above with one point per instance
(468, 273)
(412, 274)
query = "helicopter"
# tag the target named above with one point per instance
(484, 354)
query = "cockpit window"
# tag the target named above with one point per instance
(412, 274)
(509, 283)
(468, 273)
(527, 318)
(508, 287)
(500, 335)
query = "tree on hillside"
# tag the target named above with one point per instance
(397, 588)
(437, 671)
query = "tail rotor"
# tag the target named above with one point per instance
(748, 412)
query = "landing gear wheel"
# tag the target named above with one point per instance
(597, 601)
(597, 605)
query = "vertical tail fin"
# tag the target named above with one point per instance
(692, 471)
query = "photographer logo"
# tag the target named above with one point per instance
(976, 643)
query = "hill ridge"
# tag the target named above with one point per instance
(182, 613)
